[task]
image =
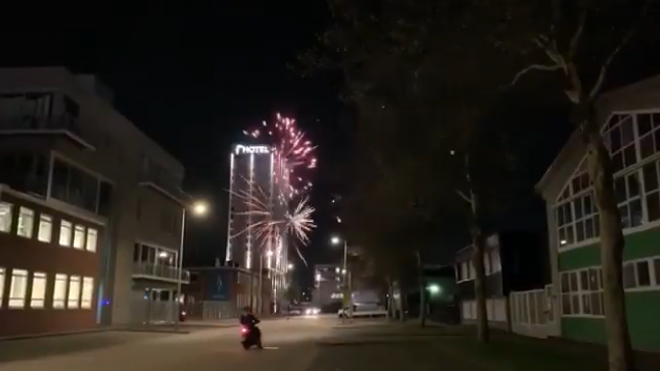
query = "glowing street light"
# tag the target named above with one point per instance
(335, 240)
(199, 208)
(290, 266)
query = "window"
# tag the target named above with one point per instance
(620, 139)
(73, 298)
(92, 239)
(2, 286)
(627, 189)
(59, 291)
(65, 233)
(45, 228)
(87, 293)
(18, 289)
(79, 237)
(38, 294)
(5, 217)
(25, 222)
(76, 187)
(638, 274)
(582, 292)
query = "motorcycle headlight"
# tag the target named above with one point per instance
(183, 313)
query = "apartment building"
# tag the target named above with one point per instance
(329, 290)
(90, 209)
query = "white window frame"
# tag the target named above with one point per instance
(38, 292)
(61, 284)
(25, 220)
(654, 285)
(45, 233)
(637, 167)
(7, 218)
(17, 296)
(65, 225)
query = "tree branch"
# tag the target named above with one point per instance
(465, 197)
(537, 67)
(606, 64)
(575, 41)
(624, 41)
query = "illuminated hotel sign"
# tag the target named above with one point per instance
(241, 149)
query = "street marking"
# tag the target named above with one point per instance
(272, 348)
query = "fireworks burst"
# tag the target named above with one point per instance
(294, 151)
(267, 226)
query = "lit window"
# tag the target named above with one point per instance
(73, 298)
(65, 233)
(79, 237)
(5, 217)
(38, 294)
(18, 288)
(59, 291)
(87, 293)
(2, 285)
(25, 222)
(92, 237)
(45, 228)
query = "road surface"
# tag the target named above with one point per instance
(300, 344)
(292, 345)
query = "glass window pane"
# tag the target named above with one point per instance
(25, 222)
(589, 228)
(59, 291)
(92, 239)
(575, 303)
(573, 281)
(643, 124)
(646, 146)
(633, 185)
(584, 280)
(579, 231)
(566, 304)
(45, 228)
(38, 294)
(629, 156)
(656, 265)
(650, 177)
(635, 209)
(79, 237)
(87, 293)
(18, 288)
(643, 274)
(73, 297)
(65, 233)
(5, 217)
(620, 188)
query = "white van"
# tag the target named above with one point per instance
(363, 310)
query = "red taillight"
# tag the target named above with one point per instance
(243, 330)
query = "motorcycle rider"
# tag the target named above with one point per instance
(250, 321)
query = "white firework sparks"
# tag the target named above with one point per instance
(267, 226)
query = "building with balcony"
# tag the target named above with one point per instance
(90, 208)
(630, 125)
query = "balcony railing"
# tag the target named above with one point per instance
(63, 124)
(167, 186)
(159, 272)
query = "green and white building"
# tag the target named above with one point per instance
(631, 126)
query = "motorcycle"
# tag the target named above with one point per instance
(250, 337)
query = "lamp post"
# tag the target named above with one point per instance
(198, 208)
(345, 273)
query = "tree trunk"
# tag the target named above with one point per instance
(422, 291)
(483, 333)
(601, 172)
(403, 302)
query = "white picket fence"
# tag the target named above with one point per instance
(532, 312)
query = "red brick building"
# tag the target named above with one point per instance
(221, 292)
(49, 269)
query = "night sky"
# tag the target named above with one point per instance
(193, 77)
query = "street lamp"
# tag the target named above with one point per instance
(290, 267)
(197, 209)
(345, 273)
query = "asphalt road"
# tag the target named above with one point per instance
(292, 346)
(300, 344)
